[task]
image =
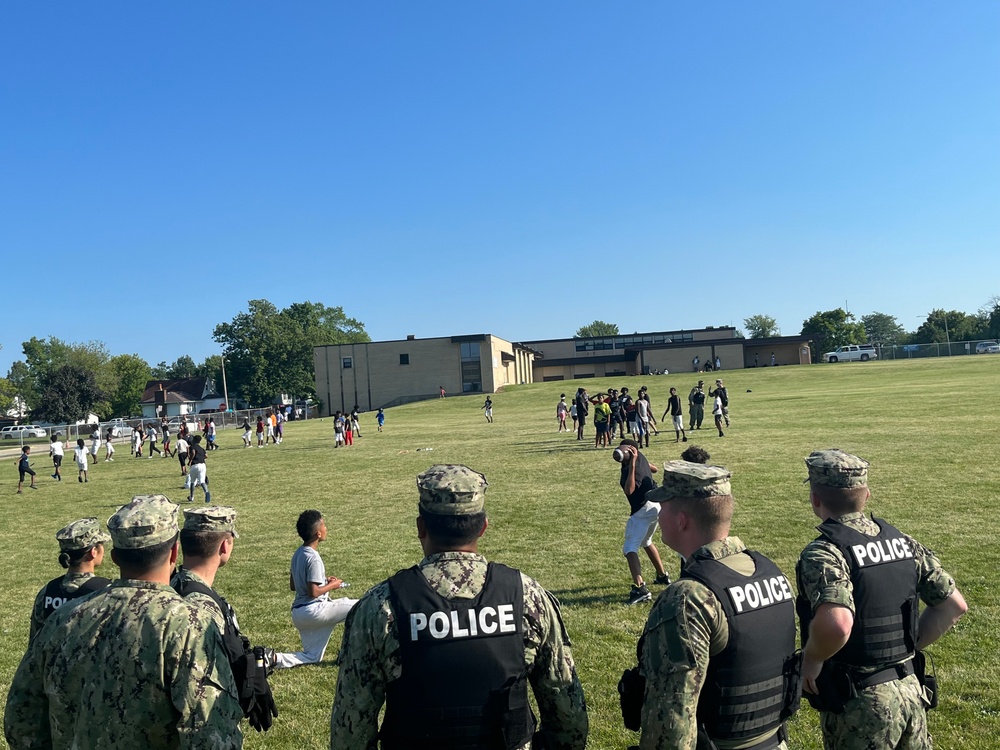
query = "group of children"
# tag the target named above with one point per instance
(270, 428)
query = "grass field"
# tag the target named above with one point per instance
(556, 511)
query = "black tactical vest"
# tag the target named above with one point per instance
(56, 595)
(751, 687)
(884, 577)
(463, 681)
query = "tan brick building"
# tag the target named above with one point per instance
(388, 373)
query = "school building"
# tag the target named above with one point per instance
(389, 373)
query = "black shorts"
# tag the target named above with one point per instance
(581, 419)
(26, 472)
(182, 457)
(57, 461)
(602, 427)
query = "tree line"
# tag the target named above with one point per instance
(267, 351)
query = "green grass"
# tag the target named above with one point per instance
(556, 511)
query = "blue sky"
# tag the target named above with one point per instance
(518, 168)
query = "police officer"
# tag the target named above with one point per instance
(81, 550)
(718, 649)
(858, 584)
(449, 645)
(207, 539)
(132, 665)
(696, 405)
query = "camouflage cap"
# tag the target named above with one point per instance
(211, 518)
(145, 522)
(687, 479)
(835, 468)
(452, 490)
(82, 534)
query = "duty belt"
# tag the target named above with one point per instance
(895, 672)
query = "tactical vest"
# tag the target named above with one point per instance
(238, 650)
(464, 681)
(752, 686)
(56, 595)
(884, 577)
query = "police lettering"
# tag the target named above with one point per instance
(760, 594)
(54, 602)
(881, 551)
(471, 623)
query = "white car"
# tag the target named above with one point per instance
(852, 353)
(22, 431)
(987, 347)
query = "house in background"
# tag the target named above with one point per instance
(174, 398)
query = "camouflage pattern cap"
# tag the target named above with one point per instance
(687, 479)
(211, 518)
(82, 534)
(452, 490)
(145, 522)
(835, 468)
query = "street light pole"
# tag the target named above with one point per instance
(225, 390)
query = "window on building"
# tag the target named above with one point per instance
(347, 363)
(404, 359)
(472, 371)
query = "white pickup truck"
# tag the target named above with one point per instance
(852, 353)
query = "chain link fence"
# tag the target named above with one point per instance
(921, 351)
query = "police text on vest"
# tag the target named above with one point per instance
(759, 594)
(485, 621)
(881, 551)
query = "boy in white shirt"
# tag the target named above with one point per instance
(80, 456)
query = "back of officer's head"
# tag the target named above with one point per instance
(838, 480)
(701, 491)
(144, 533)
(452, 504)
(205, 529)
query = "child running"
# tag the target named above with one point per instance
(181, 450)
(24, 467)
(56, 451)
(80, 456)
(198, 470)
(95, 442)
(108, 447)
(380, 418)
(246, 432)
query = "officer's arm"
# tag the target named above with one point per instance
(684, 626)
(937, 620)
(828, 633)
(26, 716)
(562, 709)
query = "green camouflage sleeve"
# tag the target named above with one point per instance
(201, 683)
(562, 707)
(935, 584)
(26, 715)
(36, 616)
(685, 626)
(824, 576)
(368, 659)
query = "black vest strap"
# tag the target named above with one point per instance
(56, 595)
(884, 577)
(751, 687)
(463, 683)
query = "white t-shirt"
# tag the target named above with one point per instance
(80, 454)
(642, 409)
(56, 448)
(717, 406)
(181, 445)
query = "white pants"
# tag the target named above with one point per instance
(199, 476)
(315, 623)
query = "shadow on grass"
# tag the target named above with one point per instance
(581, 597)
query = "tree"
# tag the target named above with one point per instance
(942, 326)
(881, 328)
(761, 326)
(990, 315)
(130, 375)
(270, 351)
(831, 329)
(44, 356)
(20, 380)
(68, 393)
(597, 328)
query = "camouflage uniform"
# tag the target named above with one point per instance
(131, 666)
(687, 626)
(212, 519)
(890, 715)
(369, 656)
(79, 535)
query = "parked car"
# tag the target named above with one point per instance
(852, 353)
(175, 424)
(23, 431)
(119, 428)
(987, 347)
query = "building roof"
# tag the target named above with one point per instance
(178, 390)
